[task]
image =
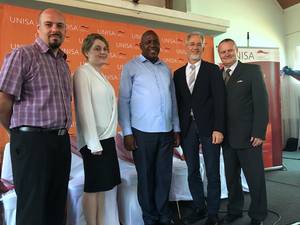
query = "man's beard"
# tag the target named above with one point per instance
(54, 45)
(195, 57)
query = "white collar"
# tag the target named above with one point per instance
(232, 67)
(197, 64)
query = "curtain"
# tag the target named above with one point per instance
(290, 107)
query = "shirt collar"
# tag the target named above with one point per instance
(232, 67)
(44, 48)
(197, 64)
(143, 59)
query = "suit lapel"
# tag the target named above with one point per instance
(235, 75)
(201, 71)
(183, 80)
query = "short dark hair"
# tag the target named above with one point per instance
(227, 40)
(89, 41)
(147, 33)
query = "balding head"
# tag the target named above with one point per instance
(52, 27)
(51, 11)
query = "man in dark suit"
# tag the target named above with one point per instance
(247, 119)
(200, 93)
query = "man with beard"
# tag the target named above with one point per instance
(35, 108)
(149, 120)
(200, 95)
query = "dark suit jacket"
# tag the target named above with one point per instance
(207, 99)
(247, 105)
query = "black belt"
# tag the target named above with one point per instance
(59, 132)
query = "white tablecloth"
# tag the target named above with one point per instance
(9, 199)
(126, 208)
(129, 210)
(74, 208)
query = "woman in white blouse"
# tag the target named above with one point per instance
(96, 121)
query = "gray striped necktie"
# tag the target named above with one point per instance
(192, 77)
(227, 76)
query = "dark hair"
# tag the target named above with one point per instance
(228, 40)
(147, 33)
(89, 41)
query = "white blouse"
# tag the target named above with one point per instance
(95, 107)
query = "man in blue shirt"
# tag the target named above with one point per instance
(149, 120)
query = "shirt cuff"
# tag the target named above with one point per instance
(126, 131)
(176, 128)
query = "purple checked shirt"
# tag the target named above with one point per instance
(41, 85)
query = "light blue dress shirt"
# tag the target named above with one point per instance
(147, 98)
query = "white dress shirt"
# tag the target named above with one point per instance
(95, 107)
(232, 68)
(188, 70)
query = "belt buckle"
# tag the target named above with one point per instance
(61, 132)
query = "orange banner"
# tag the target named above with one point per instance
(1, 21)
(18, 27)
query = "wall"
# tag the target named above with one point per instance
(292, 36)
(124, 37)
(263, 19)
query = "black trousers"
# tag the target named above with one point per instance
(211, 154)
(153, 160)
(251, 161)
(41, 166)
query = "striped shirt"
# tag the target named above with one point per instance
(41, 85)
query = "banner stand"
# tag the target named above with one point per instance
(268, 59)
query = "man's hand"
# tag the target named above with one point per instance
(129, 143)
(221, 66)
(217, 137)
(256, 141)
(176, 139)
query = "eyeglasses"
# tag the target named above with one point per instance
(99, 49)
(197, 45)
